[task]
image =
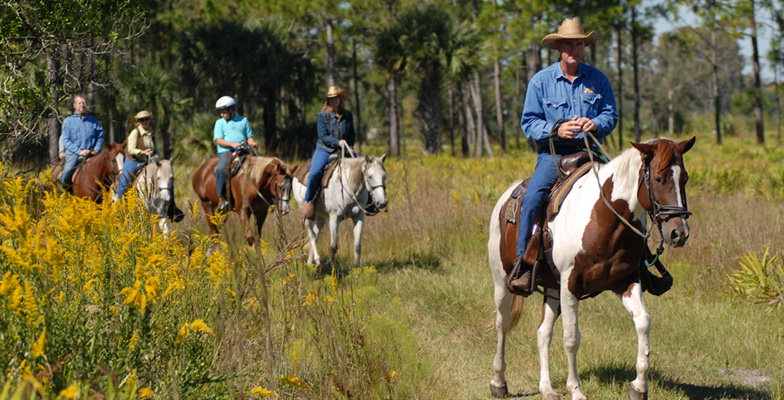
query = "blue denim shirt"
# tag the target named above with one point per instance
(235, 130)
(81, 133)
(331, 129)
(551, 96)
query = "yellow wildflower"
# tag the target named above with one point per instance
(294, 381)
(133, 340)
(262, 391)
(289, 278)
(69, 392)
(476, 199)
(145, 393)
(38, 346)
(200, 326)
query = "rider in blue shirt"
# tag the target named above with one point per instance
(230, 133)
(568, 98)
(82, 136)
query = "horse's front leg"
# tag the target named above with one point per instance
(544, 336)
(313, 228)
(503, 323)
(163, 224)
(334, 221)
(632, 300)
(359, 223)
(571, 338)
(260, 214)
(209, 212)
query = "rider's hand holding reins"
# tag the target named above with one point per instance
(571, 128)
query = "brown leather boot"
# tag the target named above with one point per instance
(308, 210)
(522, 283)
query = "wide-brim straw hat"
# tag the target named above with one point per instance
(571, 28)
(143, 114)
(335, 91)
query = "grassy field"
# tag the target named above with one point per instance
(223, 321)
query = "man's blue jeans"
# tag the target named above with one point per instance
(545, 175)
(68, 168)
(224, 159)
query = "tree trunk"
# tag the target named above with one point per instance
(462, 121)
(429, 109)
(778, 102)
(757, 82)
(476, 95)
(330, 54)
(357, 104)
(451, 121)
(499, 106)
(53, 124)
(470, 130)
(635, 71)
(619, 97)
(716, 91)
(270, 131)
(671, 112)
(534, 64)
(393, 134)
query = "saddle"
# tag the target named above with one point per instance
(304, 171)
(237, 159)
(538, 251)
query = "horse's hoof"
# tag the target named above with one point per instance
(636, 395)
(499, 392)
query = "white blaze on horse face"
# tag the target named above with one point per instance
(285, 195)
(676, 179)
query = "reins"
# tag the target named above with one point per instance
(654, 214)
(364, 181)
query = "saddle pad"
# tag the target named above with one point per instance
(304, 171)
(564, 187)
(511, 209)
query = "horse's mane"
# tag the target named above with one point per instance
(354, 166)
(629, 162)
(254, 167)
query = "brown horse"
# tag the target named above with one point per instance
(599, 237)
(95, 174)
(260, 183)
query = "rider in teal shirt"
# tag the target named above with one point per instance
(230, 133)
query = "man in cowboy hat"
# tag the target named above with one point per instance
(568, 98)
(335, 130)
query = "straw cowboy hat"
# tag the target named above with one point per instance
(143, 114)
(571, 28)
(335, 91)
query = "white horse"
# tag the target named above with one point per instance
(155, 187)
(354, 182)
(597, 244)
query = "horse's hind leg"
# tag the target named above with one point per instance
(209, 212)
(544, 335)
(359, 222)
(642, 323)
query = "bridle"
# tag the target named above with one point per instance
(369, 187)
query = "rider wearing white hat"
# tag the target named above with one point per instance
(230, 133)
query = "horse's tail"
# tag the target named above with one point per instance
(517, 309)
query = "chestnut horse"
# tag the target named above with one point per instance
(599, 236)
(96, 173)
(260, 183)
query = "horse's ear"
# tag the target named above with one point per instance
(294, 167)
(686, 145)
(367, 159)
(645, 148)
(383, 157)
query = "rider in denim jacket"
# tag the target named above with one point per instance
(335, 130)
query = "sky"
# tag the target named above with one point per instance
(764, 34)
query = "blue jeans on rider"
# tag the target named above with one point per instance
(224, 160)
(319, 161)
(130, 168)
(542, 181)
(68, 168)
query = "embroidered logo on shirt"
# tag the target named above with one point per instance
(588, 90)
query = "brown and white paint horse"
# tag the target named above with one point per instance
(595, 250)
(260, 183)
